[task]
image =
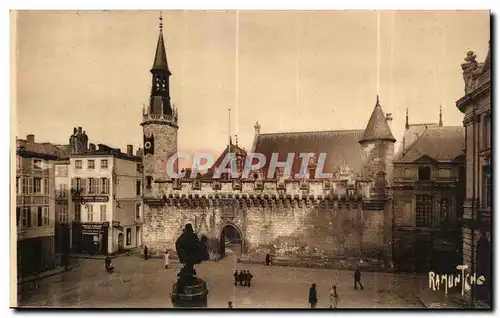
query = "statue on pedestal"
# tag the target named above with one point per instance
(189, 290)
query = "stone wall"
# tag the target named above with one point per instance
(377, 157)
(300, 229)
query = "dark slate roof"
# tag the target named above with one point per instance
(411, 134)
(35, 148)
(377, 128)
(339, 146)
(160, 62)
(234, 149)
(443, 144)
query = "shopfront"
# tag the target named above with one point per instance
(91, 237)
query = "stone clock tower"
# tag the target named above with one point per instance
(159, 123)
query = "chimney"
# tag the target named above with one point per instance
(30, 138)
(130, 150)
(388, 118)
(79, 130)
(257, 128)
(92, 148)
(74, 130)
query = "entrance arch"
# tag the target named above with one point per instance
(230, 238)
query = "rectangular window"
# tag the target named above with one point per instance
(25, 218)
(487, 187)
(138, 211)
(46, 186)
(104, 163)
(62, 171)
(34, 217)
(103, 213)
(91, 186)
(78, 212)
(24, 185)
(96, 186)
(138, 188)
(78, 164)
(424, 173)
(37, 164)
(90, 164)
(18, 217)
(45, 216)
(37, 185)
(104, 185)
(39, 217)
(423, 217)
(30, 185)
(63, 214)
(83, 186)
(90, 213)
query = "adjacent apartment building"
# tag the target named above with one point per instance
(476, 107)
(103, 187)
(429, 183)
(35, 205)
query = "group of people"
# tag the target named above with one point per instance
(333, 295)
(243, 278)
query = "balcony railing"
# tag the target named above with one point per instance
(32, 199)
(33, 172)
(159, 117)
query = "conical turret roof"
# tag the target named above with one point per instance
(160, 62)
(377, 128)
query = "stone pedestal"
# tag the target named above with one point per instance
(194, 294)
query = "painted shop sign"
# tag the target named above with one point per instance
(91, 198)
(93, 228)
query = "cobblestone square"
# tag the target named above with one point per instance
(138, 283)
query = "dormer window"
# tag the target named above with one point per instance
(424, 173)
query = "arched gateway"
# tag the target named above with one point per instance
(230, 238)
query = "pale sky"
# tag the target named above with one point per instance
(315, 70)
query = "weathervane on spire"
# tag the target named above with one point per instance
(440, 115)
(161, 21)
(407, 124)
(378, 103)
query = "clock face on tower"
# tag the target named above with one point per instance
(149, 144)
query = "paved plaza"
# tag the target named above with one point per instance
(146, 284)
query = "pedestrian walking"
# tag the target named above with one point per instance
(313, 296)
(166, 258)
(145, 252)
(249, 278)
(268, 260)
(334, 297)
(357, 279)
(236, 276)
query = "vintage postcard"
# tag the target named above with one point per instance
(251, 159)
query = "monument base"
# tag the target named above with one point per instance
(193, 295)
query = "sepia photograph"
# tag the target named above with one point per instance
(251, 159)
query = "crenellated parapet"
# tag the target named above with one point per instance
(258, 193)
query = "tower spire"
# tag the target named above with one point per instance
(440, 116)
(160, 86)
(407, 126)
